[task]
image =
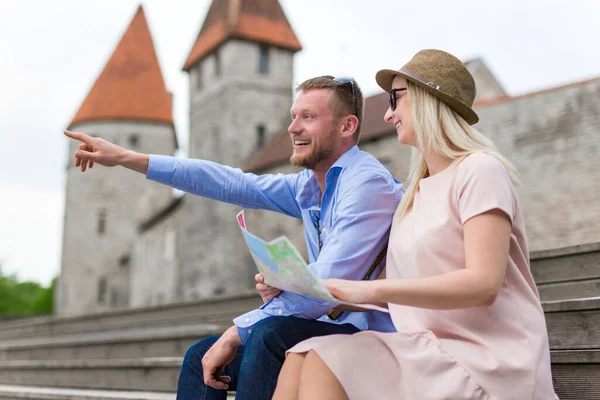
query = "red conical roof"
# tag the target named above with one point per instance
(257, 20)
(131, 86)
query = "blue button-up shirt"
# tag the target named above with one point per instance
(354, 215)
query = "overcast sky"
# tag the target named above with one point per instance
(51, 52)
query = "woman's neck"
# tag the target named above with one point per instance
(436, 162)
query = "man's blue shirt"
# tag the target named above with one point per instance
(354, 215)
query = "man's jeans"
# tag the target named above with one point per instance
(255, 369)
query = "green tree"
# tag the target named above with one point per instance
(24, 298)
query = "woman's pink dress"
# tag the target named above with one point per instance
(495, 352)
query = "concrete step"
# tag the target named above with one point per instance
(573, 324)
(576, 374)
(13, 392)
(213, 310)
(574, 335)
(217, 310)
(567, 273)
(149, 374)
(132, 343)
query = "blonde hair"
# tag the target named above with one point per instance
(440, 129)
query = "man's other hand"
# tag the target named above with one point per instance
(221, 354)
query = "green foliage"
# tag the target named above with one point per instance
(24, 298)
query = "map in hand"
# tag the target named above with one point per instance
(283, 267)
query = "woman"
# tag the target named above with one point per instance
(460, 292)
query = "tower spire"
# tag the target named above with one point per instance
(256, 20)
(131, 85)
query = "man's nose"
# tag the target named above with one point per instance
(294, 126)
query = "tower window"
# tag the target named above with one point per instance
(199, 77)
(260, 136)
(216, 140)
(124, 261)
(217, 64)
(134, 141)
(101, 290)
(263, 62)
(102, 222)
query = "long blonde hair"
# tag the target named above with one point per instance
(440, 129)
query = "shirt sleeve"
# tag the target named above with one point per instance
(274, 192)
(358, 231)
(483, 184)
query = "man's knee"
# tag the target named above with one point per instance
(273, 332)
(195, 352)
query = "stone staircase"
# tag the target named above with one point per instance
(128, 354)
(136, 354)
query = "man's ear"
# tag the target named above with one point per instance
(349, 125)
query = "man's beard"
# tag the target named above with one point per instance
(322, 152)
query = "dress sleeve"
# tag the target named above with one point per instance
(483, 184)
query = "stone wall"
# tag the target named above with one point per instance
(553, 138)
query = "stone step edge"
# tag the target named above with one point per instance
(131, 336)
(52, 393)
(96, 363)
(589, 303)
(234, 298)
(583, 356)
(107, 326)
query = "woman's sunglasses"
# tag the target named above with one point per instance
(393, 97)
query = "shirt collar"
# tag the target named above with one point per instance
(309, 196)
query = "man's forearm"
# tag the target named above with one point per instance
(231, 337)
(136, 161)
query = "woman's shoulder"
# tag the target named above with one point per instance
(480, 160)
(482, 165)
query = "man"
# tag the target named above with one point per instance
(346, 200)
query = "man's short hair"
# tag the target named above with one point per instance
(342, 102)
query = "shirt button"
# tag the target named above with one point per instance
(247, 320)
(249, 331)
(279, 312)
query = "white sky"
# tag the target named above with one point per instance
(51, 52)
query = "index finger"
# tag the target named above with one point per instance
(259, 278)
(82, 137)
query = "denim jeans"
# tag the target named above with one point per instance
(256, 367)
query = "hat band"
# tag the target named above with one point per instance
(417, 77)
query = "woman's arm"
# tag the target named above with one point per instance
(487, 240)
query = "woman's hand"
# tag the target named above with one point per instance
(361, 292)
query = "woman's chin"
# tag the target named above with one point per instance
(402, 139)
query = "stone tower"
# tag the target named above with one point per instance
(240, 82)
(130, 106)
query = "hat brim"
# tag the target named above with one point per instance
(385, 77)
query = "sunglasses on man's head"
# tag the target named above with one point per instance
(393, 97)
(344, 81)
